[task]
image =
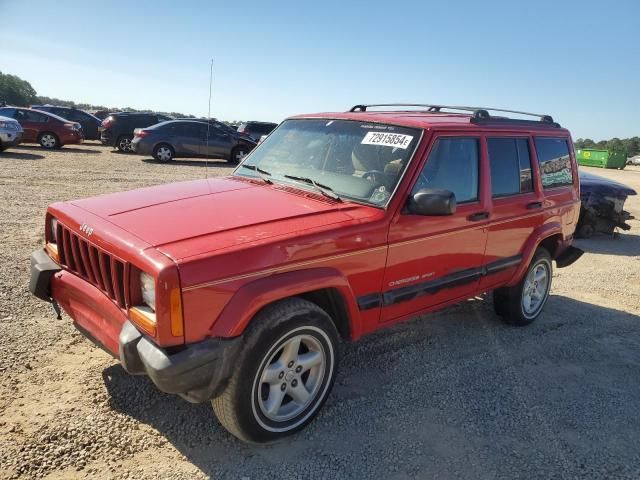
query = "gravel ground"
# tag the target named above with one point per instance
(456, 394)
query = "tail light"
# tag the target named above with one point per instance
(241, 128)
(140, 133)
(106, 123)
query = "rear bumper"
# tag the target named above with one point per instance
(10, 138)
(197, 372)
(141, 147)
(107, 139)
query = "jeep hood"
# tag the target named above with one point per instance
(190, 218)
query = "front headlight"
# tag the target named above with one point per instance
(148, 290)
(54, 229)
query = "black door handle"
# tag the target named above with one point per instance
(533, 205)
(474, 217)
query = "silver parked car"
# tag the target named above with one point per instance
(10, 133)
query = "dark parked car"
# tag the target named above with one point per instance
(89, 122)
(256, 129)
(47, 129)
(117, 129)
(602, 205)
(188, 138)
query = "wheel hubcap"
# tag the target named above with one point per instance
(535, 289)
(48, 141)
(240, 155)
(125, 144)
(291, 378)
(164, 154)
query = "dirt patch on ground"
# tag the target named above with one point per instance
(456, 394)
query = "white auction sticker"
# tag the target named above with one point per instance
(387, 139)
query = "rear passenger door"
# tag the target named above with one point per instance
(220, 143)
(436, 259)
(517, 207)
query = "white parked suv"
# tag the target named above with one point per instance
(10, 133)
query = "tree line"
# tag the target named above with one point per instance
(16, 91)
(629, 146)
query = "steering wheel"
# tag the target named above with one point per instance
(376, 176)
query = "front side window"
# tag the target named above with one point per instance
(355, 160)
(452, 165)
(554, 161)
(510, 166)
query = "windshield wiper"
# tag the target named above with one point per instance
(323, 189)
(263, 173)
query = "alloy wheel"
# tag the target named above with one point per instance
(536, 289)
(125, 144)
(291, 378)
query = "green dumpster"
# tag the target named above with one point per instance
(591, 157)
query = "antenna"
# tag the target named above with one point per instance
(206, 158)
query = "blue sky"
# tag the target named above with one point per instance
(576, 60)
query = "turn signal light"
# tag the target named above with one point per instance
(177, 325)
(144, 318)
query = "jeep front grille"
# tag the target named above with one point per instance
(93, 264)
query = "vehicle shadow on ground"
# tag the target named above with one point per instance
(199, 162)
(62, 149)
(13, 155)
(623, 244)
(424, 386)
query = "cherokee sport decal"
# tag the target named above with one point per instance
(387, 139)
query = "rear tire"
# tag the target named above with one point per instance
(238, 153)
(164, 153)
(284, 373)
(522, 304)
(124, 143)
(49, 140)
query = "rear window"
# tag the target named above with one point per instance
(554, 161)
(262, 128)
(510, 166)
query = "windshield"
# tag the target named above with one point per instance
(351, 159)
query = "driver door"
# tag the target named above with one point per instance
(436, 259)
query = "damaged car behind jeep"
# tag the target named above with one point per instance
(602, 205)
(238, 289)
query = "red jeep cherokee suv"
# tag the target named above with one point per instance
(238, 289)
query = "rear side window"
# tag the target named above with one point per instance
(510, 166)
(554, 161)
(452, 165)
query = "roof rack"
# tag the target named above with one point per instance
(479, 114)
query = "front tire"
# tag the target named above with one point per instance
(284, 374)
(49, 141)
(124, 143)
(522, 304)
(163, 153)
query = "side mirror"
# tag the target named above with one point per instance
(430, 201)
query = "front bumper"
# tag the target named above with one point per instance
(197, 372)
(71, 137)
